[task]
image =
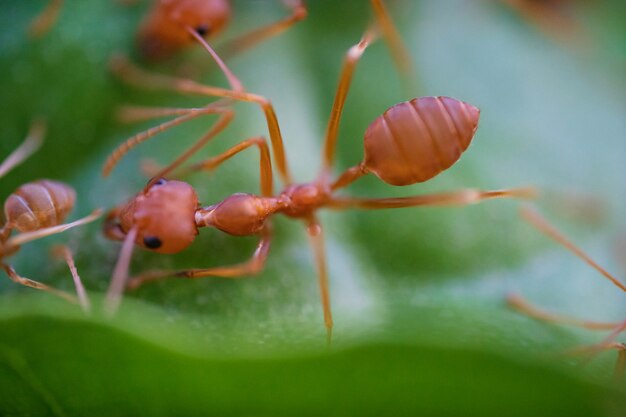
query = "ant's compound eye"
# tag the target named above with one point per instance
(203, 30)
(152, 242)
(160, 181)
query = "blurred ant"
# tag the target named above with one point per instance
(44, 21)
(411, 142)
(37, 209)
(555, 18)
(520, 304)
(162, 32)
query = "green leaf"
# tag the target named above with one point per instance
(421, 326)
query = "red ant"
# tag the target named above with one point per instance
(37, 209)
(519, 303)
(554, 18)
(163, 31)
(411, 142)
(44, 21)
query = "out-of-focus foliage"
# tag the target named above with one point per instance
(421, 324)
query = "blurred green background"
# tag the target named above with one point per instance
(418, 294)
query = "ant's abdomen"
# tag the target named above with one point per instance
(415, 140)
(39, 204)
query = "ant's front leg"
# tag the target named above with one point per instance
(316, 238)
(226, 116)
(136, 76)
(46, 19)
(251, 267)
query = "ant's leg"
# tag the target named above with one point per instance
(256, 36)
(349, 176)
(398, 50)
(133, 141)
(251, 267)
(523, 306)
(316, 237)
(609, 343)
(65, 253)
(136, 76)
(552, 19)
(265, 162)
(25, 237)
(351, 59)
(620, 364)
(534, 218)
(120, 273)
(456, 198)
(15, 277)
(46, 19)
(219, 125)
(132, 114)
(32, 142)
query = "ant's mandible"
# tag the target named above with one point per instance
(411, 142)
(518, 302)
(37, 209)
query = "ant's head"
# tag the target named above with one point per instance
(164, 31)
(164, 214)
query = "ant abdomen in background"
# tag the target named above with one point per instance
(415, 140)
(39, 204)
(38, 209)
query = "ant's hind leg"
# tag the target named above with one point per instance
(534, 218)
(609, 343)
(523, 306)
(455, 198)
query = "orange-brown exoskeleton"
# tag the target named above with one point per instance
(38, 209)
(163, 31)
(411, 142)
(519, 303)
(41, 24)
(554, 18)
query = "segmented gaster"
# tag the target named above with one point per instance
(416, 140)
(39, 204)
